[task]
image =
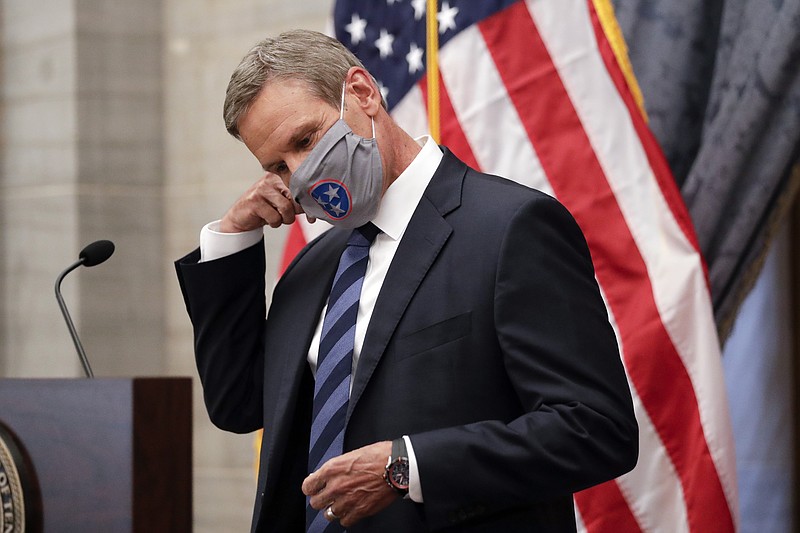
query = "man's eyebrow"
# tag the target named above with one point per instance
(300, 131)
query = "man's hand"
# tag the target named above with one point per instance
(266, 202)
(352, 484)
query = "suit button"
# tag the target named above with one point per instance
(462, 514)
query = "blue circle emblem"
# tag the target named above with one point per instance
(333, 197)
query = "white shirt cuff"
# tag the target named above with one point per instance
(216, 245)
(414, 486)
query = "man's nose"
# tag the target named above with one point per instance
(294, 161)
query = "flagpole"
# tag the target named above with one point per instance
(432, 67)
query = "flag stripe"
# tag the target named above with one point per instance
(486, 113)
(637, 487)
(654, 212)
(702, 353)
(451, 133)
(655, 156)
(654, 480)
(603, 508)
(580, 183)
(294, 243)
(410, 113)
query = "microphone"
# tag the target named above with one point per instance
(93, 254)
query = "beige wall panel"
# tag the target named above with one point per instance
(37, 343)
(206, 170)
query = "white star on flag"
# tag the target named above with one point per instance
(384, 90)
(414, 58)
(356, 29)
(384, 43)
(447, 17)
(419, 8)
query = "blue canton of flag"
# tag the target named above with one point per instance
(333, 197)
(388, 36)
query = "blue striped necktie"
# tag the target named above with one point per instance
(335, 361)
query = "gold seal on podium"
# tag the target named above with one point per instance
(17, 485)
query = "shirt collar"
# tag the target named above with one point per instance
(401, 198)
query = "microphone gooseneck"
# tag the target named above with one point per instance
(93, 254)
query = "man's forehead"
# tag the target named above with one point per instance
(281, 85)
(280, 100)
(277, 108)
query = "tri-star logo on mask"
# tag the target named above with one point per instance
(333, 197)
(341, 179)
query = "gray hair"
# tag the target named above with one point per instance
(321, 61)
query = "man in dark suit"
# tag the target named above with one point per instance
(485, 385)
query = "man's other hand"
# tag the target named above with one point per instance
(352, 484)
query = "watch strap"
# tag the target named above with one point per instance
(399, 448)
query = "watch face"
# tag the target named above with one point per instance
(398, 473)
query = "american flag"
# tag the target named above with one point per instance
(533, 91)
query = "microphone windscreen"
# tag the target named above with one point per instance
(96, 252)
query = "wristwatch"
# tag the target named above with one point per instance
(396, 472)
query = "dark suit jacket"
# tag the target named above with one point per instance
(489, 345)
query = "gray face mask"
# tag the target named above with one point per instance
(341, 179)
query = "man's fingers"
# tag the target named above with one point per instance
(321, 487)
(357, 506)
(313, 484)
(352, 484)
(277, 206)
(266, 202)
(276, 214)
(321, 494)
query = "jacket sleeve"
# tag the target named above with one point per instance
(226, 303)
(578, 428)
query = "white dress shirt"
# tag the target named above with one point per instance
(397, 206)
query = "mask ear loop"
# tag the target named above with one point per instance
(341, 106)
(341, 110)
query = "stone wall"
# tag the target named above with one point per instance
(38, 186)
(82, 157)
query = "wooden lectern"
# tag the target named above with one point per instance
(108, 454)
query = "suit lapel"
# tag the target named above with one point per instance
(426, 234)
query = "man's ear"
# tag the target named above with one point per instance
(361, 86)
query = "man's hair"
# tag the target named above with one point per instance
(309, 56)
